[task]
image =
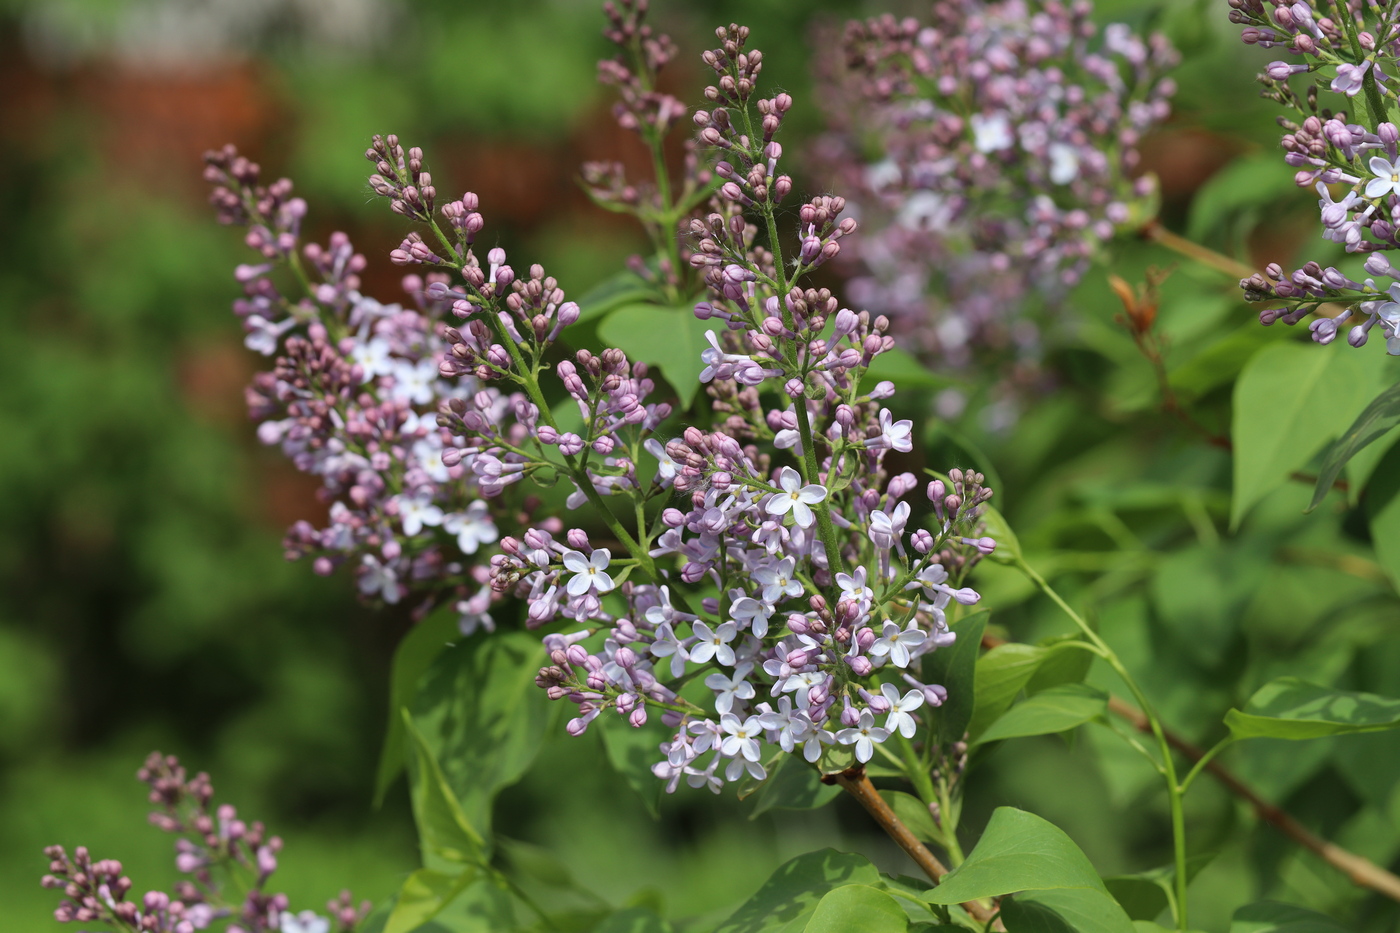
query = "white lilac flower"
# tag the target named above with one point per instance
(667, 644)
(1064, 163)
(428, 455)
(887, 528)
(414, 382)
(308, 921)
(754, 612)
(474, 528)
(863, 736)
(853, 587)
(666, 467)
(800, 684)
(373, 357)
(416, 512)
(991, 132)
(264, 335)
(713, 643)
(795, 497)
(729, 689)
(899, 719)
(896, 643)
(895, 434)
(472, 613)
(590, 573)
(741, 736)
(779, 580)
(1387, 180)
(377, 577)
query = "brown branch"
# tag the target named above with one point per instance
(855, 782)
(1362, 871)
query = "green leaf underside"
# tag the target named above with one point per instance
(789, 898)
(1057, 709)
(1289, 708)
(669, 337)
(424, 642)
(857, 907)
(1376, 420)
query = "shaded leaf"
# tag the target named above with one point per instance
(901, 368)
(1274, 917)
(1069, 910)
(857, 907)
(1289, 708)
(632, 752)
(1376, 420)
(793, 785)
(790, 896)
(1382, 506)
(1140, 898)
(621, 289)
(912, 812)
(481, 714)
(1001, 674)
(424, 642)
(1200, 591)
(1051, 711)
(1008, 550)
(633, 920)
(955, 667)
(669, 337)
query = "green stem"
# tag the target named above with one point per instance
(1214, 750)
(1174, 788)
(809, 465)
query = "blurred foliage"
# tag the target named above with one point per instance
(144, 602)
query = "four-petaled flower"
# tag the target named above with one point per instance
(729, 689)
(417, 511)
(714, 643)
(795, 497)
(863, 736)
(473, 527)
(779, 580)
(897, 643)
(589, 572)
(899, 719)
(308, 921)
(741, 736)
(1387, 180)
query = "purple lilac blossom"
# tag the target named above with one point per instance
(227, 861)
(989, 152)
(1348, 156)
(824, 598)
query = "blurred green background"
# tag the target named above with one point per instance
(144, 602)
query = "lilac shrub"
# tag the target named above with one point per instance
(991, 152)
(1347, 155)
(227, 863)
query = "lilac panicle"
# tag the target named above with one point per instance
(214, 847)
(1348, 155)
(1007, 136)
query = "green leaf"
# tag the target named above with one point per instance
(1382, 506)
(1289, 708)
(793, 785)
(790, 896)
(1376, 420)
(1291, 399)
(1001, 674)
(445, 836)
(671, 338)
(900, 367)
(1200, 592)
(423, 896)
(632, 752)
(424, 642)
(1008, 550)
(633, 920)
(1141, 898)
(1065, 663)
(912, 812)
(955, 667)
(1071, 910)
(482, 715)
(857, 907)
(1237, 191)
(1051, 711)
(624, 288)
(1019, 851)
(1273, 917)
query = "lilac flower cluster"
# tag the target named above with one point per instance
(353, 390)
(1349, 156)
(214, 848)
(768, 606)
(1007, 135)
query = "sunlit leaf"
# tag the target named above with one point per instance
(860, 907)
(954, 667)
(789, 898)
(423, 896)
(445, 836)
(1375, 421)
(669, 337)
(1051, 711)
(424, 642)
